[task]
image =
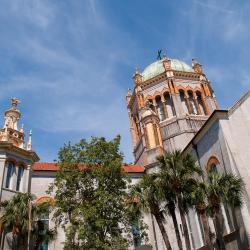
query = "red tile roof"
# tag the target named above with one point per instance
(50, 166)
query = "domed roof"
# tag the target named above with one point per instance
(156, 68)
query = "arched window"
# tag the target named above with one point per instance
(192, 103)
(43, 225)
(200, 103)
(169, 105)
(159, 108)
(19, 179)
(212, 164)
(183, 101)
(10, 172)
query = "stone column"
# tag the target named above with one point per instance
(27, 179)
(132, 130)
(197, 104)
(165, 112)
(204, 102)
(155, 107)
(156, 135)
(2, 173)
(151, 135)
(188, 103)
(146, 137)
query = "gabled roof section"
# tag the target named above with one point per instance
(50, 166)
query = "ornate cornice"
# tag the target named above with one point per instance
(9, 147)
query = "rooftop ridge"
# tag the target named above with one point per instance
(238, 103)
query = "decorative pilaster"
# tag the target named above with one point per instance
(186, 97)
(197, 104)
(165, 112)
(132, 130)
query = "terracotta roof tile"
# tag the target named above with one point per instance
(50, 166)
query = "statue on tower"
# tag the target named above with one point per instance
(14, 102)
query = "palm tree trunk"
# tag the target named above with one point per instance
(184, 222)
(159, 220)
(219, 230)
(206, 230)
(176, 227)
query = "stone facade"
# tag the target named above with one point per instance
(172, 106)
(224, 141)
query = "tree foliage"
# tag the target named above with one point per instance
(90, 193)
(149, 196)
(177, 173)
(15, 219)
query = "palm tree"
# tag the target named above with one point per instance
(177, 171)
(198, 199)
(222, 189)
(149, 198)
(15, 219)
(170, 206)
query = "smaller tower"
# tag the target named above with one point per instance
(10, 130)
(15, 159)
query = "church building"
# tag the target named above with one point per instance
(172, 106)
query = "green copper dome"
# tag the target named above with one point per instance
(156, 68)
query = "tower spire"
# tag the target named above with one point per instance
(29, 144)
(12, 115)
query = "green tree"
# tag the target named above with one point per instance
(21, 214)
(223, 188)
(207, 198)
(170, 205)
(198, 199)
(90, 194)
(149, 196)
(177, 171)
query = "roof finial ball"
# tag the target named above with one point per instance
(14, 102)
(137, 77)
(197, 66)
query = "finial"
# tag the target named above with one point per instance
(136, 71)
(22, 129)
(159, 57)
(14, 102)
(194, 61)
(29, 144)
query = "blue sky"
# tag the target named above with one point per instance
(71, 62)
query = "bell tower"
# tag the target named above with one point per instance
(169, 103)
(16, 158)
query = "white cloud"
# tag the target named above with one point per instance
(38, 12)
(74, 84)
